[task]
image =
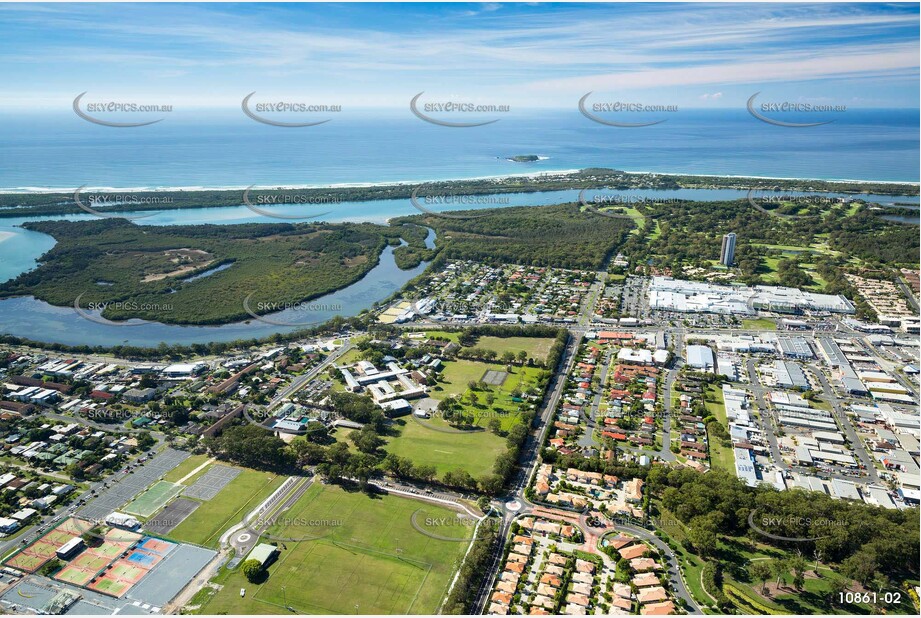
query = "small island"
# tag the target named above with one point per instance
(524, 158)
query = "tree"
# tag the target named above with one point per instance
(703, 538)
(760, 571)
(779, 569)
(798, 568)
(252, 570)
(367, 440)
(491, 484)
(495, 425)
(460, 478)
(861, 567)
(837, 588)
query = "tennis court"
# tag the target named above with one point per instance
(68, 528)
(494, 377)
(118, 578)
(211, 482)
(143, 559)
(29, 560)
(111, 587)
(41, 551)
(75, 575)
(90, 562)
(125, 538)
(153, 499)
(156, 546)
(107, 551)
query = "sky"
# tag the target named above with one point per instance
(522, 55)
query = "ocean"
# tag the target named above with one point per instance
(201, 149)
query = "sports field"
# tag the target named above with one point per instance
(373, 562)
(434, 442)
(536, 347)
(244, 493)
(447, 449)
(153, 499)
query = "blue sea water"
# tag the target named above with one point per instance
(201, 149)
(63, 152)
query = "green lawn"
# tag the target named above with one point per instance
(720, 456)
(184, 468)
(434, 442)
(536, 347)
(374, 561)
(452, 336)
(239, 497)
(474, 451)
(759, 324)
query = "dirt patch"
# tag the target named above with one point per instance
(187, 260)
(176, 273)
(355, 261)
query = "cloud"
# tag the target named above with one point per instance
(713, 96)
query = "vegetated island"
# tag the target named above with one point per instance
(62, 203)
(523, 158)
(201, 274)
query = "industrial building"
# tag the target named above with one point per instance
(790, 375)
(795, 347)
(700, 357)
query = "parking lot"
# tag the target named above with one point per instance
(211, 482)
(130, 484)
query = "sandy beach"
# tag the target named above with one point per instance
(532, 174)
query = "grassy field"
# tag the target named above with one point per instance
(536, 347)
(456, 375)
(184, 468)
(452, 336)
(373, 562)
(434, 442)
(720, 456)
(474, 451)
(240, 496)
(759, 324)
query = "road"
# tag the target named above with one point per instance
(768, 428)
(302, 380)
(844, 423)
